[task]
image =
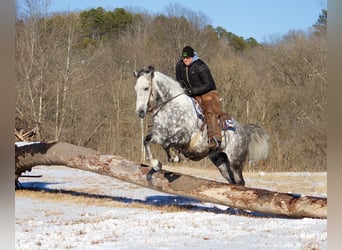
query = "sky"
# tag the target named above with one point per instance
(260, 19)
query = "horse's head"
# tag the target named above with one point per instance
(144, 90)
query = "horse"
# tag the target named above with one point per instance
(177, 127)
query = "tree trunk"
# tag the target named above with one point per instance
(257, 200)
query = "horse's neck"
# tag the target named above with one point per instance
(167, 88)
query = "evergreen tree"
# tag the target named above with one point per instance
(322, 22)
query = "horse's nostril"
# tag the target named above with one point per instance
(141, 114)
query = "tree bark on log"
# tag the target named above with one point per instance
(256, 200)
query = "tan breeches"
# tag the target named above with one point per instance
(211, 105)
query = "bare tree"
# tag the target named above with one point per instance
(33, 57)
(83, 92)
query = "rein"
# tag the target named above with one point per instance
(160, 106)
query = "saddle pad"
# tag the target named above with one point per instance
(226, 122)
(198, 109)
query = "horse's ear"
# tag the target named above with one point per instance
(150, 71)
(150, 68)
(137, 74)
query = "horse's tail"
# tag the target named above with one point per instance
(258, 146)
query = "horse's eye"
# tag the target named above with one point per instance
(146, 88)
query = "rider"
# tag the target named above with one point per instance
(195, 77)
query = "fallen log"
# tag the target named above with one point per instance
(256, 200)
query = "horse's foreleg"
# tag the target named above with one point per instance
(156, 164)
(147, 145)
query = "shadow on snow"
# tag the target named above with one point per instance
(155, 200)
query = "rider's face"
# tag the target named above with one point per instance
(187, 60)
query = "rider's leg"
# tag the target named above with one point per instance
(212, 108)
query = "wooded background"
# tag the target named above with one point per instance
(74, 80)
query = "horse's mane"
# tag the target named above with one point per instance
(159, 76)
(161, 79)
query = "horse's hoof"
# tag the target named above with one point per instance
(241, 183)
(156, 165)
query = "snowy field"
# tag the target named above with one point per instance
(73, 209)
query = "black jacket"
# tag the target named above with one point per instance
(199, 80)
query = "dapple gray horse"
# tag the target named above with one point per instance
(176, 125)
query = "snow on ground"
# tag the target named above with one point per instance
(64, 224)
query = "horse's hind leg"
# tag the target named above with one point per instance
(231, 172)
(172, 154)
(237, 171)
(221, 161)
(156, 164)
